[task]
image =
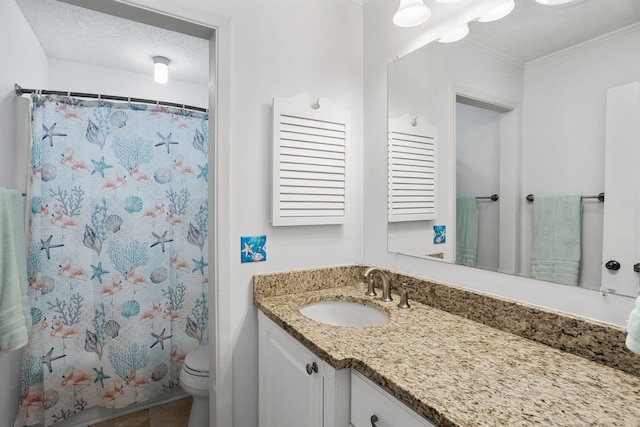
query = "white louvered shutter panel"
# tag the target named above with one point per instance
(412, 161)
(309, 161)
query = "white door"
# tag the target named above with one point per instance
(621, 240)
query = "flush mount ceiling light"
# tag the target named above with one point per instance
(448, 1)
(498, 12)
(160, 69)
(411, 13)
(455, 34)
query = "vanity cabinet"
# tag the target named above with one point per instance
(296, 388)
(372, 406)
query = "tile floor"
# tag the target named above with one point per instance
(173, 414)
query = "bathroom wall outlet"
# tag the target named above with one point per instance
(252, 248)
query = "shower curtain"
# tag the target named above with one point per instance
(117, 257)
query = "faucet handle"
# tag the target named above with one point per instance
(371, 291)
(404, 295)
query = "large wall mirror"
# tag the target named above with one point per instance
(539, 103)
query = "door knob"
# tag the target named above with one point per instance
(612, 265)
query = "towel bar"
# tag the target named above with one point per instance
(493, 197)
(600, 197)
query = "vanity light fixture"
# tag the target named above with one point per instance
(160, 69)
(456, 34)
(498, 12)
(411, 13)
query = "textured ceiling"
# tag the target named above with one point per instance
(82, 35)
(532, 31)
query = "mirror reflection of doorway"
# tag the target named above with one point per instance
(479, 140)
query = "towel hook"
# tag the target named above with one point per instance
(316, 105)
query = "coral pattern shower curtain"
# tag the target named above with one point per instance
(117, 261)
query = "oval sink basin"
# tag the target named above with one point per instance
(342, 313)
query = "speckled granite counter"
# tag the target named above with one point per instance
(455, 371)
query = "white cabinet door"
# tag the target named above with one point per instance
(368, 400)
(289, 395)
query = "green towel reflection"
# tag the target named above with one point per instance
(556, 242)
(466, 230)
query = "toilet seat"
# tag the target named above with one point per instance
(194, 372)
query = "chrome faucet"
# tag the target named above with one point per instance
(386, 283)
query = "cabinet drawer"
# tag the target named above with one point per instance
(367, 400)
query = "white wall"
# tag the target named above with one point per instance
(72, 76)
(383, 43)
(282, 48)
(25, 63)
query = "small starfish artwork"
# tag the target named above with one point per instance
(199, 265)
(46, 246)
(253, 248)
(161, 240)
(48, 358)
(98, 271)
(49, 133)
(100, 376)
(166, 140)
(204, 172)
(100, 166)
(160, 339)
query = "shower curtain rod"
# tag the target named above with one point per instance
(21, 91)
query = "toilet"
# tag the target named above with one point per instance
(194, 380)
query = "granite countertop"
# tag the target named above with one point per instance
(457, 372)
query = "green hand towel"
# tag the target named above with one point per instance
(466, 230)
(15, 317)
(556, 241)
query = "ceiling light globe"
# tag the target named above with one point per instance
(411, 13)
(455, 35)
(160, 69)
